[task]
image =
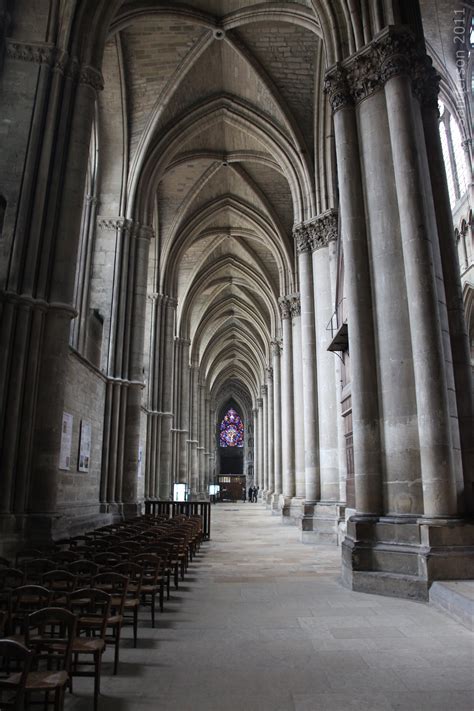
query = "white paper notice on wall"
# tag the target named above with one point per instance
(85, 446)
(66, 442)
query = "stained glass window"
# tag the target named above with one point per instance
(232, 430)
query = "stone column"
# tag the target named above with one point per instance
(277, 429)
(264, 427)
(270, 437)
(298, 416)
(341, 440)
(439, 490)
(212, 448)
(309, 373)
(428, 94)
(287, 412)
(255, 445)
(203, 444)
(142, 235)
(195, 410)
(184, 411)
(397, 552)
(166, 401)
(261, 457)
(357, 286)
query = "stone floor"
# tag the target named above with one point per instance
(262, 624)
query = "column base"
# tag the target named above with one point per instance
(297, 509)
(132, 509)
(284, 505)
(402, 556)
(320, 522)
(274, 504)
(268, 499)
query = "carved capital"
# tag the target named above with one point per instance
(295, 305)
(426, 81)
(302, 237)
(114, 223)
(91, 77)
(322, 229)
(263, 390)
(269, 372)
(259, 402)
(37, 53)
(285, 307)
(276, 348)
(336, 86)
(57, 59)
(394, 52)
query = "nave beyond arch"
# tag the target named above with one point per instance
(215, 204)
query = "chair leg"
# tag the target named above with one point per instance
(97, 668)
(153, 596)
(162, 596)
(135, 626)
(116, 651)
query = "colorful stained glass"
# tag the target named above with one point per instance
(232, 430)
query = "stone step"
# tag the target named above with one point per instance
(455, 598)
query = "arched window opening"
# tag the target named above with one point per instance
(231, 430)
(454, 155)
(3, 209)
(86, 328)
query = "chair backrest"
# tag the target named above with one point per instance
(152, 566)
(27, 554)
(108, 559)
(4, 562)
(11, 578)
(35, 569)
(50, 633)
(92, 608)
(25, 600)
(60, 582)
(134, 572)
(3, 621)
(65, 556)
(13, 653)
(116, 585)
(84, 570)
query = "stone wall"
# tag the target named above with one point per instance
(78, 492)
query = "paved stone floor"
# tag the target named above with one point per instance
(262, 624)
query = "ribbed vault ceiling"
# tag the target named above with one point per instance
(217, 140)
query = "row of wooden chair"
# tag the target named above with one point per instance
(127, 564)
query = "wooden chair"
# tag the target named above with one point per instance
(10, 578)
(13, 684)
(164, 552)
(50, 634)
(65, 557)
(61, 583)
(4, 562)
(25, 600)
(106, 560)
(153, 581)
(84, 570)
(115, 585)
(27, 554)
(35, 569)
(134, 572)
(92, 609)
